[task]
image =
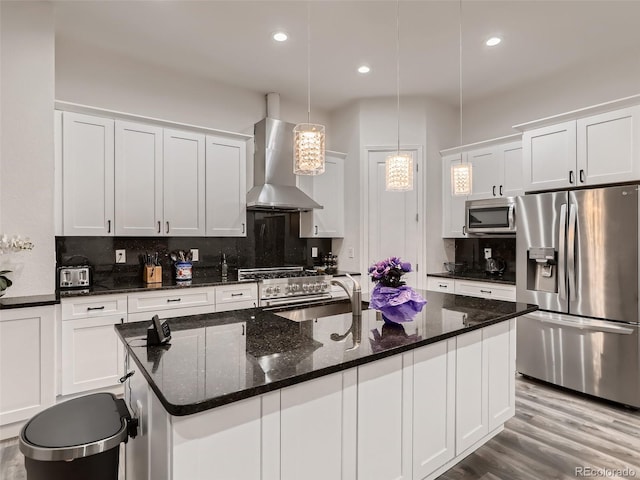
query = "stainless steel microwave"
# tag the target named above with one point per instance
(495, 216)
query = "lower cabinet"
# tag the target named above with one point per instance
(27, 366)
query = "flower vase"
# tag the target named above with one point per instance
(396, 305)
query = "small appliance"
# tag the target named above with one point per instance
(495, 216)
(74, 276)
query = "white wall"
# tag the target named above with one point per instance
(26, 144)
(578, 86)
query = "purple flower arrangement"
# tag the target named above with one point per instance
(389, 272)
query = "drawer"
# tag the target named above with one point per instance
(171, 300)
(439, 284)
(236, 293)
(494, 291)
(94, 306)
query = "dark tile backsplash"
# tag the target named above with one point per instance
(471, 251)
(272, 240)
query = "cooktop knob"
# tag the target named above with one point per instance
(276, 289)
(268, 290)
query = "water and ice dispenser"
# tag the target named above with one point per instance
(542, 270)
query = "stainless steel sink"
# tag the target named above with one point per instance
(318, 311)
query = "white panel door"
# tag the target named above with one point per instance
(393, 218)
(486, 170)
(549, 157)
(511, 185)
(471, 390)
(609, 147)
(452, 205)
(138, 185)
(328, 190)
(27, 362)
(184, 183)
(87, 175)
(499, 340)
(384, 419)
(226, 187)
(434, 383)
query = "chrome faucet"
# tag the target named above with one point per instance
(355, 295)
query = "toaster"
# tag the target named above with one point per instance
(76, 276)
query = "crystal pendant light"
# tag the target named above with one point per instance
(399, 166)
(308, 138)
(461, 173)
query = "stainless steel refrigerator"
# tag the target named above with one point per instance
(577, 259)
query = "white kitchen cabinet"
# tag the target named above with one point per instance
(27, 364)
(171, 303)
(511, 169)
(236, 296)
(138, 179)
(317, 428)
(491, 290)
(91, 354)
(87, 175)
(226, 187)
(452, 205)
(500, 342)
(434, 374)
(184, 183)
(485, 164)
(328, 190)
(439, 284)
(385, 419)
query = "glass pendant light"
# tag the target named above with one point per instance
(461, 173)
(308, 138)
(399, 166)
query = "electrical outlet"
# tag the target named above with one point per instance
(121, 256)
(195, 255)
(314, 252)
(351, 252)
(487, 253)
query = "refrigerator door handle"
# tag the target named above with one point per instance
(562, 248)
(587, 324)
(571, 251)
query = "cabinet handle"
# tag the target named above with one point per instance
(159, 226)
(243, 228)
(570, 176)
(169, 300)
(464, 229)
(500, 190)
(485, 291)
(95, 308)
(108, 226)
(243, 329)
(237, 294)
(316, 230)
(582, 175)
(442, 286)
(494, 190)
(167, 227)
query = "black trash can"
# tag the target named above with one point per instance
(76, 440)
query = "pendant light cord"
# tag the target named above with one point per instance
(308, 62)
(398, 71)
(460, 71)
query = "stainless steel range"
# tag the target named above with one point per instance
(287, 285)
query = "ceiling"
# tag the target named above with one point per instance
(230, 42)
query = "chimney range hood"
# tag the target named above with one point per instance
(275, 183)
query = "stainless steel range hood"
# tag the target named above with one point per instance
(275, 184)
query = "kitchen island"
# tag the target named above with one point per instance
(251, 394)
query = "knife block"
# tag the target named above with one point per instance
(152, 274)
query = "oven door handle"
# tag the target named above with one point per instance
(283, 302)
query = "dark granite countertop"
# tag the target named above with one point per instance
(219, 358)
(29, 301)
(508, 278)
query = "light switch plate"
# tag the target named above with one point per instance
(351, 252)
(195, 255)
(314, 252)
(121, 256)
(487, 253)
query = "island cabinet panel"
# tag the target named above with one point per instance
(384, 419)
(316, 440)
(500, 342)
(434, 375)
(472, 422)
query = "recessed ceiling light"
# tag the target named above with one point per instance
(364, 69)
(493, 41)
(280, 36)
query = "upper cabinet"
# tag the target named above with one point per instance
(328, 190)
(87, 175)
(226, 187)
(590, 150)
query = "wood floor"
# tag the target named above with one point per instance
(552, 434)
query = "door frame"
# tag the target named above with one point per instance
(419, 181)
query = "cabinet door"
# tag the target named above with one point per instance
(452, 206)
(87, 175)
(184, 183)
(138, 185)
(487, 174)
(608, 147)
(92, 354)
(549, 157)
(472, 414)
(434, 382)
(317, 436)
(511, 185)
(439, 284)
(328, 190)
(500, 342)
(226, 187)
(27, 363)
(384, 419)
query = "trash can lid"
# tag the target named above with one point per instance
(73, 429)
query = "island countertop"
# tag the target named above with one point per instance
(219, 358)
